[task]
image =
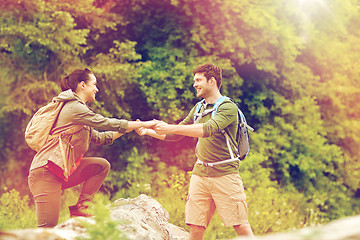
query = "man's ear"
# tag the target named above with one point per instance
(212, 81)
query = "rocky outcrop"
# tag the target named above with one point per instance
(140, 218)
(143, 218)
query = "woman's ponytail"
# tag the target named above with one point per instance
(71, 81)
(64, 83)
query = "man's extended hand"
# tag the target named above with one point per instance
(147, 125)
(149, 130)
(162, 128)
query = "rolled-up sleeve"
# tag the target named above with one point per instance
(101, 138)
(226, 114)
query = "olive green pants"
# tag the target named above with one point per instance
(46, 187)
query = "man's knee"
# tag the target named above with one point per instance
(196, 228)
(244, 230)
(196, 232)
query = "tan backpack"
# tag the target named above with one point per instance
(38, 129)
(37, 132)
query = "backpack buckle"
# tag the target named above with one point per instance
(206, 164)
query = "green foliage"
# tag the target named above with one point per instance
(291, 65)
(115, 76)
(15, 211)
(104, 228)
(35, 40)
(170, 188)
(69, 197)
(131, 181)
(298, 155)
(18, 212)
(163, 87)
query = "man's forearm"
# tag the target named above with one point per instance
(193, 130)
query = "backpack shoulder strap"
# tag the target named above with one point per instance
(198, 115)
(217, 104)
(197, 109)
(242, 124)
(198, 106)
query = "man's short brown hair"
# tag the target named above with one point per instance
(210, 70)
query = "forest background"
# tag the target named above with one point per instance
(292, 66)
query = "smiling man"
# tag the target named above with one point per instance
(216, 185)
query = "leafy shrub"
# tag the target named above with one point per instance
(133, 180)
(104, 228)
(15, 211)
(19, 212)
(172, 195)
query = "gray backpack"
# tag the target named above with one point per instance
(242, 145)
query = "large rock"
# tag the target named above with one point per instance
(141, 218)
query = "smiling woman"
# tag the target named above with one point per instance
(84, 77)
(85, 86)
(59, 164)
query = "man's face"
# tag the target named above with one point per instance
(201, 84)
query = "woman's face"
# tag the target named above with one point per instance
(90, 89)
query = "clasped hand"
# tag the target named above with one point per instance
(159, 127)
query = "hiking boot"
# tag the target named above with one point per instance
(79, 210)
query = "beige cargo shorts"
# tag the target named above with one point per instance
(225, 193)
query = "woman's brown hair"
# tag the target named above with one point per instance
(71, 81)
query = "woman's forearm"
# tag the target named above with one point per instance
(138, 124)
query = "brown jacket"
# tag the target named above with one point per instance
(75, 112)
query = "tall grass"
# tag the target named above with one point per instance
(18, 212)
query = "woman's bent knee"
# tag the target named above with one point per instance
(107, 165)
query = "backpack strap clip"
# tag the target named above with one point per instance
(244, 124)
(198, 116)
